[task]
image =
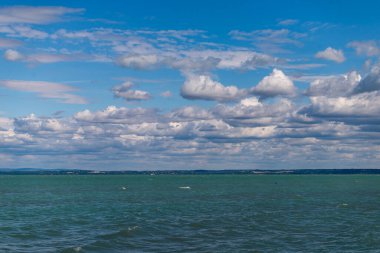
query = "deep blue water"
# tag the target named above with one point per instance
(190, 213)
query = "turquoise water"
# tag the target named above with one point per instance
(219, 213)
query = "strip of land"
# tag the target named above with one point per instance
(37, 171)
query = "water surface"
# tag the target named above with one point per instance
(190, 213)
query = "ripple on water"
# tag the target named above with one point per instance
(222, 214)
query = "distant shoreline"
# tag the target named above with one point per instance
(32, 171)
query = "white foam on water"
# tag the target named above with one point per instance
(124, 188)
(132, 228)
(343, 205)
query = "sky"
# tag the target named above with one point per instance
(145, 85)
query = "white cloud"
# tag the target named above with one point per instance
(23, 31)
(365, 104)
(282, 36)
(9, 43)
(46, 58)
(334, 86)
(139, 61)
(228, 133)
(197, 61)
(34, 15)
(113, 114)
(58, 91)
(252, 112)
(203, 87)
(331, 54)
(287, 22)
(369, 83)
(233, 59)
(276, 84)
(189, 113)
(33, 125)
(124, 91)
(367, 48)
(269, 40)
(166, 94)
(13, 55)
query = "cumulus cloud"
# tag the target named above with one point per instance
(334, 86)
(224, 132)
(113, 114)
(125, 91)
(371, 82)
(60, 92)
(251, 112)
(203, 87)
(139, 61)
(34, 125)
(189, 113)
(331, 54)
(34, 15)
(276, 84)
(366, 104)
(13, 55)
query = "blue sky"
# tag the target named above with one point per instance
(189, 85)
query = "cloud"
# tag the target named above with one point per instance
(47, 58)
(331, 54)
(234, 59)
(124, 91)
(60, 92)
(276, 84)
(226, 133)
(9, 43)
(365, 104)
(369, 83)
(269, 40)
(282, 36)
(34, 15)
(113, 114)
(340, 119)
(166, 94)
(13, 55)
(204, 88)
(251, 112)
(34, 125)
(287, 22)
(189, 113)
(139, 61)
(367, 48)
(198, 61)
(147, 50)
(334, 86)
(22, 31)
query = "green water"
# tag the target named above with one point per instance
(219, 213)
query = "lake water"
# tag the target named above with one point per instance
(190, 213)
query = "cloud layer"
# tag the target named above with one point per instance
(257, 98)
